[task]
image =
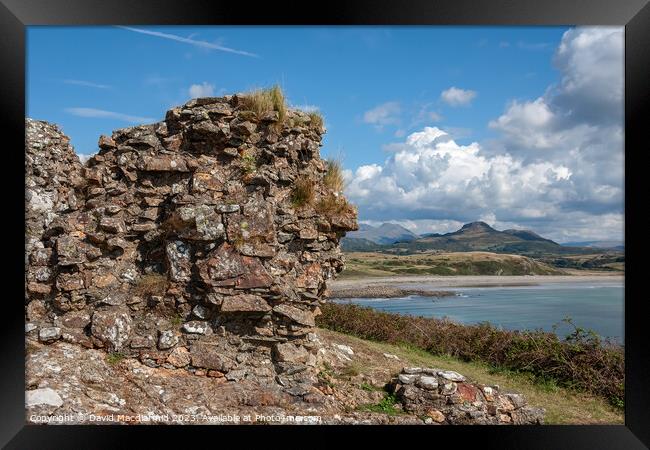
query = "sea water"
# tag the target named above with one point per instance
(597, 306)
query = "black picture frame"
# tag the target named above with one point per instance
(15, 15)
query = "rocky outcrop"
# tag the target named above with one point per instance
(69, 384)
(446, 397)
(203, 241)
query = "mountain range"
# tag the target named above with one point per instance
(474, 236)
(384, 234)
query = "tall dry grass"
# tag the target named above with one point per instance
(151, 284)
(261, 101)
(333, 178)
(303, 192)
(316, 120)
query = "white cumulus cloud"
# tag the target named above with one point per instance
(457, 97)
(84, 157)
(385, 114)
(556, 167)
(204, 89)
(579, 121)
(431, 176)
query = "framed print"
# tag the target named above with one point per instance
(381, 217)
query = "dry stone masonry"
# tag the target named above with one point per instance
(183, 242)
(445, 397)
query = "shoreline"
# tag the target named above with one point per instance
(383, 291)
(430, 285)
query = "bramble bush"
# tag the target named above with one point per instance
(581, 361)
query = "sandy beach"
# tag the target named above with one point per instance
(403, 285)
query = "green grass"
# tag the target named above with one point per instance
(114, 358)
(386, 406)
(352, 272)
(326, 375)
(249, 163)
(368, 387)
(176, 320)
(351, 370)
(330, 206)
(328, 369)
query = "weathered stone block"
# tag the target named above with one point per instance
(179, 357)
(245, 303)
(296, 314)
(75, 319)
(49, 334)
(113, 225)
(291, 353)
(167, 339)
(112, 327)
(162, 163)
(179, 260)
(209, 356)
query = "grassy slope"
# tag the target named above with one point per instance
(611, 261)
(562, 406)
(367, 264)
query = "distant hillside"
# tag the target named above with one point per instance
(527, 235)
(361, 265)
(479, 236)
(349, 244)
(430, 235)
(385, 234)
(615, 245)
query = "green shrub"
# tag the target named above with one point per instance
(580, 361)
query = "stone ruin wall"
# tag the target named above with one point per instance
(181, 243)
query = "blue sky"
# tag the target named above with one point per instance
(375, 86)
(344, 72)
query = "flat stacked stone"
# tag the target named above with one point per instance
(446, 397)
(183, 234)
